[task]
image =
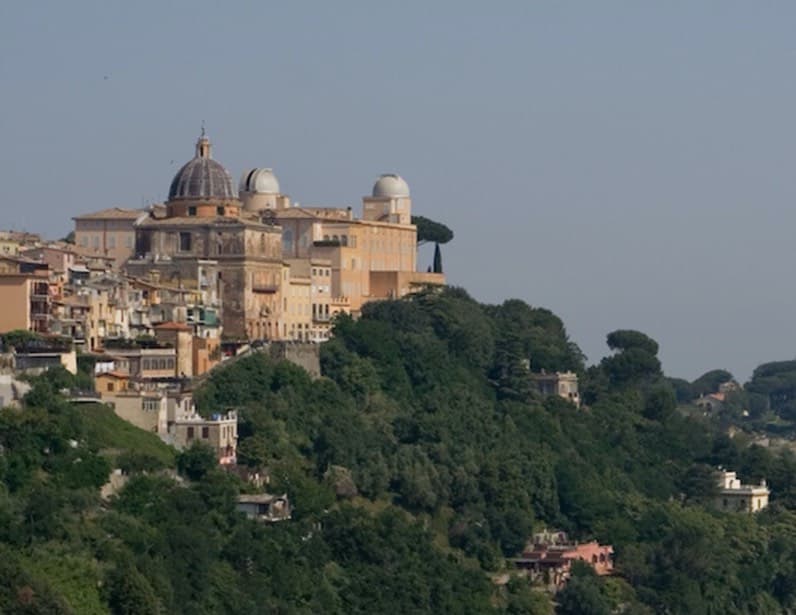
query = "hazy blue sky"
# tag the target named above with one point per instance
(625, 164)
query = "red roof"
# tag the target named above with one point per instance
(114, 374)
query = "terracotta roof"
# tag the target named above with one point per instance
(293, 213)
(52, 247)
(113, 374)
(170, 325)
(116, 213)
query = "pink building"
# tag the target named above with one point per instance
(549, 556)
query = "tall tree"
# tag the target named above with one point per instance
(437, 259)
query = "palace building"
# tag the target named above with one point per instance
(279, 271)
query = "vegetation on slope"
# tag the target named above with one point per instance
(422, 459)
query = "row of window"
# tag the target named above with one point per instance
(205, 433)
(192, 211)
(320, 309)
(342, 239)
(95, 241)
(158, 363)
(151, 405)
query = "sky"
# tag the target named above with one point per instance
(624, 164)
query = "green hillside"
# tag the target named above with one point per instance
(422, 459)
(117, 438)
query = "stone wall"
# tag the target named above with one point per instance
(302, 354)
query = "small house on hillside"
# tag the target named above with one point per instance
(711, 403)
(563, 384)
(734, 496)
(548, 558)
(264, 507)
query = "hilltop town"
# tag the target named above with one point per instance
(274, 373)
(161, 295)
(240, 265)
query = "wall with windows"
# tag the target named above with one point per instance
(146, 410)
(111, 237)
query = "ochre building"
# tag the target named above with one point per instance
(279, 271)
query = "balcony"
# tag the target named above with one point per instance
(268, 289)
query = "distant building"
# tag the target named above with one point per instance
(563, 384)
(280, 271)
(264, 507)
(734, 496)
(110, 233)
(37, 361)
(711, 403)
(14, 242)
(58, 258)
(25, 292)
(548, 558)
(219, 431)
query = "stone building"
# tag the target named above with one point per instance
(734, 496)
(110, 232)
(264, 507)
(548, 558)
(276, 270)
(219, 432)
(15, 242)
(25, 291)
(563, 384)
(372, 257)
(203, 241)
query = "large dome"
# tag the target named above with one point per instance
(390, 185)
(259, 181)
(202, 177)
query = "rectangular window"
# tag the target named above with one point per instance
(128, 242)
(190, 433)
(110, 386)
(220, 211)
(191, 210)
(205, 432)
(111, 242)
(185, 242)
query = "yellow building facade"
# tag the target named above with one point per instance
(110, 233)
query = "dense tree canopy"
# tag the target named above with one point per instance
(422, 459)
(431, 231)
